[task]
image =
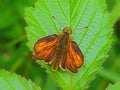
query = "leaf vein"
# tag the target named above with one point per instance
(62, 10)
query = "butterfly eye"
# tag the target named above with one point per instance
(63, 30)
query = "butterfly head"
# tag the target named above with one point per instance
(67, 30)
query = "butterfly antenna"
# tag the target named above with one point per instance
(57, 21)
(81, 28)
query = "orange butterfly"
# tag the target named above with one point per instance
(59, 50)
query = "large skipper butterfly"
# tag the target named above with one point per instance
(60, 51)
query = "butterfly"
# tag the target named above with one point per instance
(60, 51)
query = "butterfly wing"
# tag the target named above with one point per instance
(44, 48)
(73, 59)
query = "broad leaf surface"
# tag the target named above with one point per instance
(93, 41)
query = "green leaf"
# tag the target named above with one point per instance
(115, 86)
(11, 81)
(93, 41)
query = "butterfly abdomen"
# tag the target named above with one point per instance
(55, 65)
(57, 58)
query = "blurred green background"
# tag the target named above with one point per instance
(16, 57)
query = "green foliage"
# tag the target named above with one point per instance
(14, 54)
(110, 75)
(116, 86)
(111, 68)
(16, 57)
(11, 81)
(12, 11)
(93, 41)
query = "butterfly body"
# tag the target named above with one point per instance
(61, 48)
(60, 51)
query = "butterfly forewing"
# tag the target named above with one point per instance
(77, 55)
(44, 48)
(74, 58)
